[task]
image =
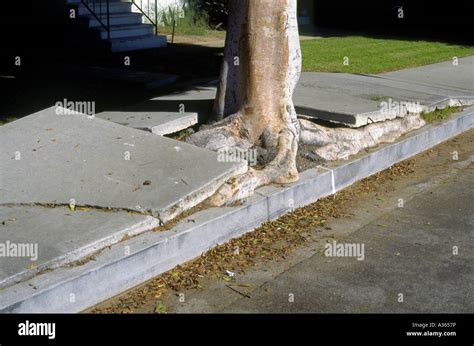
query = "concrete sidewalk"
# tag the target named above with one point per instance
(356, 100)
(72, 186)
(61, 236)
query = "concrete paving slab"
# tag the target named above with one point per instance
(51, 237)
(159, 123)
(446, 74)
(199, 99)
(358, 100)
(198, 93)
(52, 159)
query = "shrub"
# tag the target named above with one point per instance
(189, 20)
(216, 10)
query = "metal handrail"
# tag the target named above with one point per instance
(147, 15)
(99, 15)
(91, 6)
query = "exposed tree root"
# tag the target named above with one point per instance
(281, 170)
(340, 143)
(225, 135)
(331, 144)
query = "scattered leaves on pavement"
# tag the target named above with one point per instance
(272, 241)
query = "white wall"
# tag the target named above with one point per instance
(167, 3)
(162, 4)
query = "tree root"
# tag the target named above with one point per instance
(340, 143)
(331, 143)
(281, 170)
(226, 133)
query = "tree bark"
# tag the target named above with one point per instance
(254, 106)
(229, 97)
(257, 92)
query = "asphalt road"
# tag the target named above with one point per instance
(418, 256)
(410, 262)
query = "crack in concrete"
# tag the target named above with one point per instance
(86, 206)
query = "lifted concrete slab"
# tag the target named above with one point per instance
(199, 99)
(52, 159)
(154, 253)
(60, 236)
(358, 100)
(207, 92)
(159, 123)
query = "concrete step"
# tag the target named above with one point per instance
(117, 19)
(129, 30)
(114, 7)
(137, 43)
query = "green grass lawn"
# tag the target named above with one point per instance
(374, 55)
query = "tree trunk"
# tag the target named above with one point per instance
(230, 93)
(262, 65)
(261, 68)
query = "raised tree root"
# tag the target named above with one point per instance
(331, 143)
(282, 169)
(340, 143)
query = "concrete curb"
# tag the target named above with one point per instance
(136, 260)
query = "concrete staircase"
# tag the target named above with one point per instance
(127, 30)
